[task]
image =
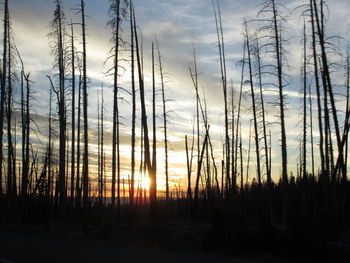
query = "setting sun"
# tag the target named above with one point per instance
(145, 183)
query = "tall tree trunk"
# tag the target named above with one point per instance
(196, 190)
(72, 177)
(238, 120)
(49, 165)
(241, 157)
(277, 39)
(233, 143)
(3, 89)
(256, 132)
(85, 113)
(328, 84)
(27, 125)
(189, 169)
(221, 45)
(10, 172)
(165, 124)
(194, 76)
(318, 89)
(116, 18)
(99, 164)
(304, 172)
(24, 183)
(147, 155)
(133, 124)
(153, 178)
(326, 123)
(102, 162)
(59, 30)
(263, 113)
(311, 134)
(249, 148)
(78, 182)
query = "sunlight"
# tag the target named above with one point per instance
(146, 182)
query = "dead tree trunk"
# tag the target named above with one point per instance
(317, 83)
(196, 190)
(85, 113)
(252, 91)
(328, 84)
(165, 123)
(194, 76)
(72, 177)
(153, 181)
(221, 44)
(133, 93)
(277, 39)
(10, 153)
(3, 89)
(49, 152)
(102, 159)
(115, 10)
(147, 158)
(249, 148)
(311, 134)
(238, 120)
(263, 113)
(189, 169)
(304, 172)
(99, 164)
(59, 48)
(78, 182)
(24, 181)
(27, 125)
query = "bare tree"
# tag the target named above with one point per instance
(116, 11)
(85, 113)
(327, 85)
(11, 187)
(153, 183)
(221, 45)
(317, 83)
(270, 7)
(72, 178)
(238, 119)
(147, 154)
(133, 122)
(165, 123)
(58, 47)
(304, 171)
(255, 120)
(3, 86)
(263, 113)
(78, 181)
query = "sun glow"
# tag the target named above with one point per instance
(145, 183)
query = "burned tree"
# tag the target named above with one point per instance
(57, 36)
(117, 11)
(85, 113)
(254, 106)
(72, 178)
(275, 21)
(221, 45)
(165, 123)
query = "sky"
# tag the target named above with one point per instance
(177, 24)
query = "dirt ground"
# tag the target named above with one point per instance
(19, 248)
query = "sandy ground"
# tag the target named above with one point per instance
(31, 248)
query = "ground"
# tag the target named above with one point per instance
(18, 248)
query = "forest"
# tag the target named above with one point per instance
(64, 171)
